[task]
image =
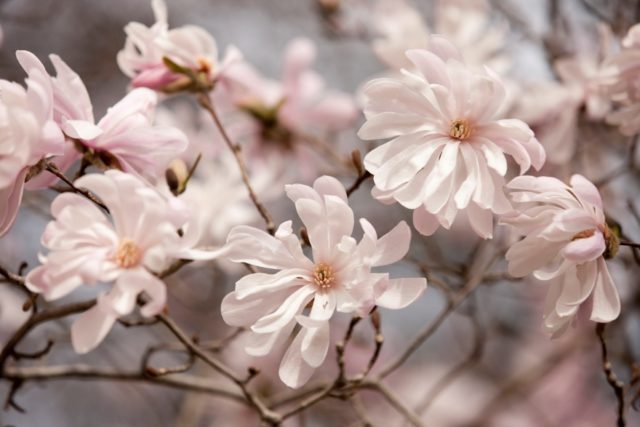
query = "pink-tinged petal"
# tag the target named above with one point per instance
(585, 249)
(493, 154)
(425, 222)
(292, 306)
(432, 67)
(257, 247)
(606, 301)
(324, 305)
(583, 281)
(443, 48)
(531, 254)
(394, 245)
(294, 371)
(88, 331)
(315, 344)
(81, 129)
(329, 186)
(245, 312)
(10, 198)
(39, 281)
(399, 293)
(481, 220)
(586, 190)
(261, 283)
(390, 124)
(71, 99)
(262, 344)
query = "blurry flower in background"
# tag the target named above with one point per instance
(86, 248)
(566, 241)
(621, 82)
(449, 146)
(338, 279)
(287, 122)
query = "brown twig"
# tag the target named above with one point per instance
(205, 101)
(52, 168)
(613, 380)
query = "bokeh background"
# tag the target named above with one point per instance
(518, 378)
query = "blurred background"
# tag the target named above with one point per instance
(507, 372)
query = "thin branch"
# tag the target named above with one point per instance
(613, 380)
(52, 168)
(394, 401)
(85, 372)
(236, 149)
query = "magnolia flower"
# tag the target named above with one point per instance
(190, 46)
(337, 278)
(282, 114)
(125, 138)
(448, 151)
(467, 23)
(566, 241)
(551, 109)
(87, 248)
(620, 81)
(27, 135)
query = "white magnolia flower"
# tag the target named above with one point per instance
(448, 151)
(189, 46)
(566, 241)
(338, 277)
(28, 133)
(87, 248)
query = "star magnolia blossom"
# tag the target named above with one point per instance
(125, 138)
(338, 278)
(282, 113)
(620, 81)
(86, 248)
(189, 46)
(448, 151)
(566, 241)
(27, 134)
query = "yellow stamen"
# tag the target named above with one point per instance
(323, 277)
(459, 129)
(127, 254)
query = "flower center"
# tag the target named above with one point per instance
(323, 277)
(204, 65)
(584, 234)
(459, 129)
(127, 254)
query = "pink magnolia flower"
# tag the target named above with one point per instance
(27, 134)
(125, 138)
(448, 147)
(87, 248)
(337, 278)
(281, 114)
(620, 80)
(566, 241)
(189, 46)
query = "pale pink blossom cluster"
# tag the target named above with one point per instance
(454, 140)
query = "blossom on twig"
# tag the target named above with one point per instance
(448, 151)
(566, 241)
(339, 277)
(86, 248)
